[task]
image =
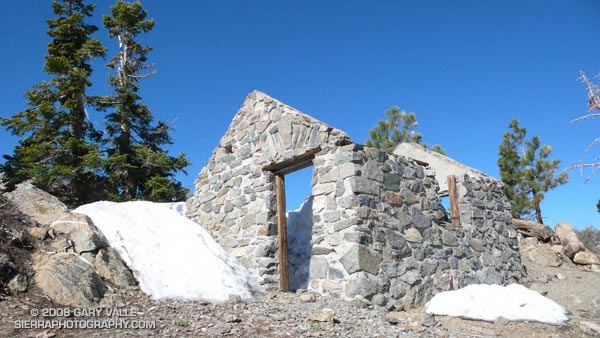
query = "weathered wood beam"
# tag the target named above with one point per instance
(294, 167)
(533, 229)
(284, 284)
(295, 163)
(454, 212)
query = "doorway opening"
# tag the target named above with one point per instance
(298, 189)
(300, 260)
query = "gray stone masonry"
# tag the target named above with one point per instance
(234, 197)
(380, 233)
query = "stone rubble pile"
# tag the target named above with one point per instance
(565, 246)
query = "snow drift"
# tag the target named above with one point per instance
(170, 255)
(490, 302)
(299, 230)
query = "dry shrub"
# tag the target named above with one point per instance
(590, 237)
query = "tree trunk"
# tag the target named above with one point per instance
(538, 210)
(77, 129)
(538, 213)
(125, 117)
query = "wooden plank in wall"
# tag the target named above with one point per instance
(284, 283)
(454, 212)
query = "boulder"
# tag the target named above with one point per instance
(81, 230)
(68, 279)
(529, 242)
(36, 203)
(568, 239)
(586, 258)
(110, 266)
(545, 256)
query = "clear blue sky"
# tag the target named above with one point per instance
(466, 68)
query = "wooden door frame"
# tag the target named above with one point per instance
(281, 169)
(284, 281)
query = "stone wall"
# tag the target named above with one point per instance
(379, 231)
(486, 219)
(234, 197)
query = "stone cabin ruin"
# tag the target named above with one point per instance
(379, 231)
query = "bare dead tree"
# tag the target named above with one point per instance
(593, 90)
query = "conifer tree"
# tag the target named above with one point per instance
(138, 168)
(527, 172)
(398, 128)
(57, 148)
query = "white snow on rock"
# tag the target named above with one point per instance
(490, 302)
(170, 255)
(299, 230)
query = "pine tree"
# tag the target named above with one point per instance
(398, 128)
(57, 148)
(527, 172)
(138, 168)
(511, 173)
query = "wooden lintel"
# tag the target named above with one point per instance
(281, 168)
(294, 167)
(454, 212)
(284, 284)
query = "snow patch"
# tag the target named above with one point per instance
(490, 302)
(299, 230)
(170, 255)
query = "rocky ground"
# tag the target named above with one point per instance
(276, 314)
(273, 314)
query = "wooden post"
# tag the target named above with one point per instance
(284, 284)
(454, 212)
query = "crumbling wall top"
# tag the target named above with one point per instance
(443, 166)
